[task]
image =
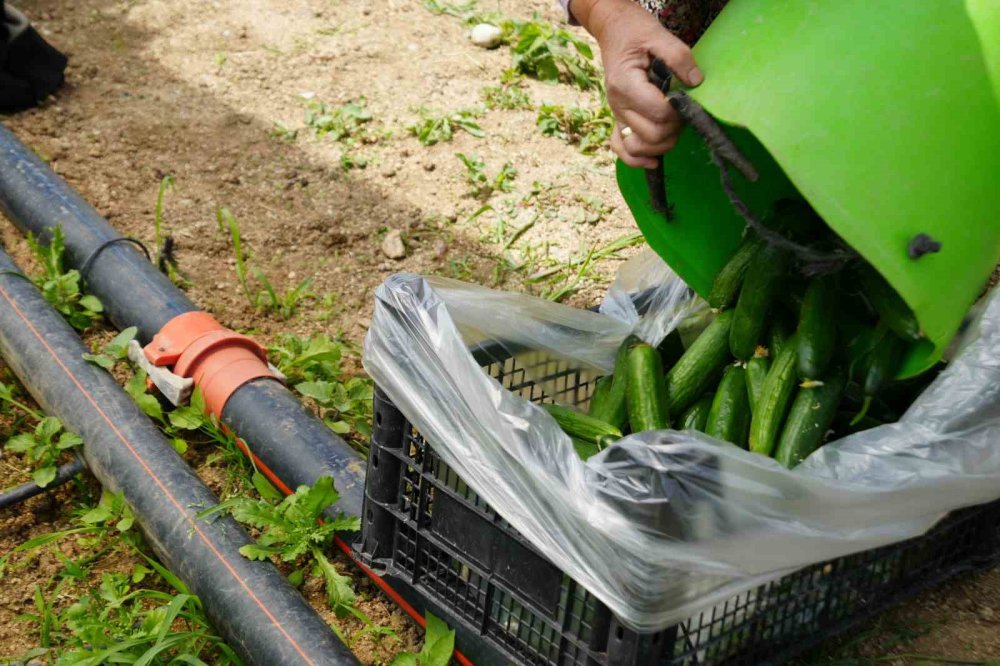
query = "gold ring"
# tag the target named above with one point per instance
(626, 131)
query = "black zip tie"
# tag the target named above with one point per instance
(85, 268)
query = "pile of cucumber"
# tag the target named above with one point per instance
(787, 363)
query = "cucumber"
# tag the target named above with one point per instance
(760, 287)
(585, 449)
(645, 390)
(671, 349)
(726, 285)
(696, 415)
(582, 426)
(777, 336)
(883, 363)
(809, 419)
(693, 375)
(775, 397)
(602, 387)
(817, 328)
(891, 308)
(612, 408)
(729, 417)
(757, 368)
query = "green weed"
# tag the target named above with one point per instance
(43, 447)
(115, 351)
(550, 53)
(314, 367)
(257, 287)
(284, 132)
(61, 287)
(122, 624)
(510, 94)
(435, 126)
(165, 260)
(291, 531)
(481, 185)
(589, 128)
(347, 123)
(439, 645)
(564, 278)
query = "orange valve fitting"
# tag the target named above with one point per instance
(218, 359)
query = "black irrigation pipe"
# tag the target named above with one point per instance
(256, 610)
(285, 438)
(31, 489)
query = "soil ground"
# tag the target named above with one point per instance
(196, 90)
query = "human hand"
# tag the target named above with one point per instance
(630, 37)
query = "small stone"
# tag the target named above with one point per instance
(392, 245)
(486, 35)
(429, 166)
(986, 614)
(440, 248)
(389, 173)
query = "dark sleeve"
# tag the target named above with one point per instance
(30, 68)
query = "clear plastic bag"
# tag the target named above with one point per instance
(665, 524)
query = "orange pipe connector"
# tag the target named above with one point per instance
(219, 359)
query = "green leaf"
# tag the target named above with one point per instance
(187, 418)
(43, 476)
(91, 303)
(297, 577)
(101, 360)
(180, 446)
(98, 514)
(139, 573)
(68, 440)
(118, 347)
(439, 642)
(47, 428)
(405, 659)
(70, 568)
(264, 487)
(21, 443)
(320, 391)
(319, 497)
(339, 592)
(339, 427)
(125, 524)
(253, 551)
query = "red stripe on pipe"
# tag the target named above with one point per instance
(173, 500)
(382, 585)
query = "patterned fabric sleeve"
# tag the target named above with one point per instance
(685, 18)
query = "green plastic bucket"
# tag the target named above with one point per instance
(884, 115)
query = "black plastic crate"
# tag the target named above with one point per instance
(446, 550)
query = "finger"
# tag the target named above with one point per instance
(618, 146)
(635, 146)
(649, 133)
(631, 90)
(678, 57)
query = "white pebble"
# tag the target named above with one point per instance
(486, 35)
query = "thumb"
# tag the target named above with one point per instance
(678, 57)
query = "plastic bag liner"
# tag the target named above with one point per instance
(665, 524)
